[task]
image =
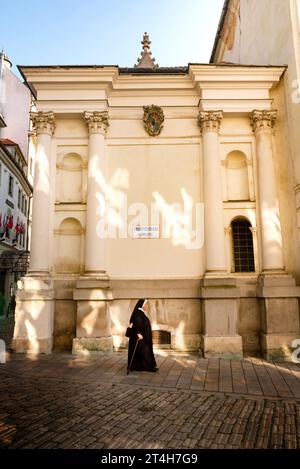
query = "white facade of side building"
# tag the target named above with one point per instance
(15, 100)
(14, 197)
(15, 188)
(223, 148)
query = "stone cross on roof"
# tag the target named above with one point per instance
(146, 60)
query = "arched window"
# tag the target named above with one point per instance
(242, 246)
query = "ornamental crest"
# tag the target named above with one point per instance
(153, 119)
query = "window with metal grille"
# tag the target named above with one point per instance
(242, 246)
(161, 338)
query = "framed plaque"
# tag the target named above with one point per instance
(146, 231)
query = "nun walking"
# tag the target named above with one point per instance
(140, 348)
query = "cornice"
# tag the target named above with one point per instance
(231, 106)
(35, 77)
(126, 103)
(231, 88)
(72, 107)
(100, 77)
(153, 81)
(71, 74)
(237, 73)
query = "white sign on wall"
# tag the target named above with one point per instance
(146, 231)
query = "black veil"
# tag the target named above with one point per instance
(138, 305)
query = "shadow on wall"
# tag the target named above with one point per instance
(68, 247)
(179, 320)
(26, 326)
(113, 212)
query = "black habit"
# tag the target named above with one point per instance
(143, 359)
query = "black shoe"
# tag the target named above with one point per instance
(153, 370)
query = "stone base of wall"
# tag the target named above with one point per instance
(231, 317)
(181, 343)
(278, 347)
(222, 347)
(34, 315)
(86, 346)
(33, 345)
(279, 308)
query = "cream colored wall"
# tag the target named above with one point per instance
(138, 167)
(167, 170)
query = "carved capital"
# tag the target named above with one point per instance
(43, 122)
(209, 121)
(97, 122)
(262, 120)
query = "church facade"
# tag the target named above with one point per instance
(172, 184)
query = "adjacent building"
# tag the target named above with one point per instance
(15, 189)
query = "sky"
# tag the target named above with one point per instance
(107, 32)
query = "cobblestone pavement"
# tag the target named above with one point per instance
(65, 401)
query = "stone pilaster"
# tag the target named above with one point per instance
(276, 289)
(93, 293)
(219, 291)
(44, 124)
(271, 240)
(95, 253)
(215, 256)
(34, 315)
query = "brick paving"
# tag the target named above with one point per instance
(66, 401)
